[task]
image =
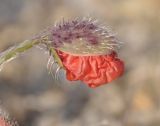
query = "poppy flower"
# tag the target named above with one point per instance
(87, 51)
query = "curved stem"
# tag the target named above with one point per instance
(16, 50)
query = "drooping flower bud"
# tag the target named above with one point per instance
(87, 52)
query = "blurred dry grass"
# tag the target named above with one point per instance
(35, 99)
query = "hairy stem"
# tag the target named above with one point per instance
(14, 51)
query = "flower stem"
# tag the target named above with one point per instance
(14, 51)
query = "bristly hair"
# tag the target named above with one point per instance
(81, 36)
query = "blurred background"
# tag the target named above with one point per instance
(34, 98)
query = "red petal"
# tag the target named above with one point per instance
(93, 70)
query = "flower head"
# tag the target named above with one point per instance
(87, 52)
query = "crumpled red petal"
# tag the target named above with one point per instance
(92, 70)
